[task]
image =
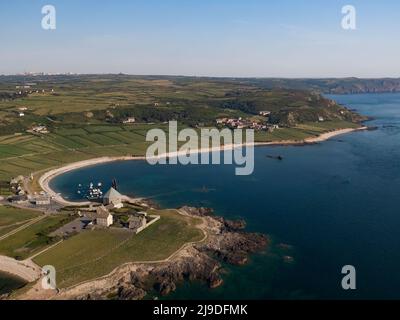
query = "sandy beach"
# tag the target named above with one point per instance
(44, 180)
(26, 270)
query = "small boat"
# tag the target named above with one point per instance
(280, 158)
(92, 192)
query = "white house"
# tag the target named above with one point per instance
(42, 200)
(103, 217)
(265, 113)
(40, 129)
(130, 120)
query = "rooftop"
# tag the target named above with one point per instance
(112, 194)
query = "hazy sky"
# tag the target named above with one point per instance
(265, 38)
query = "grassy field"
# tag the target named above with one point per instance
(10, 216)
(303, 131)
(95, 253)
(34, 238)
(27, 153)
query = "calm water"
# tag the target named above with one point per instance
(337, 203)
(9, 283)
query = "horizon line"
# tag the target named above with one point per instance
(193, 76)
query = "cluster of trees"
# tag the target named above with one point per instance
(12, 95)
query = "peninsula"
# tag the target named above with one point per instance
(49, 128)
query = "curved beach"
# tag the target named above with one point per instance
(44, 180)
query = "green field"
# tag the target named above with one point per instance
(34, 238)
(92, 254)
(10, 216)
(28, 153)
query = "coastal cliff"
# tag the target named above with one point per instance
(225, 241)
(332, 85)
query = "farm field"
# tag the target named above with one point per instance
(28, 153)
(32, 239)
(302, 131)
(11, 215)
(92, 254)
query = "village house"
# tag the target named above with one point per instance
(103, 217)
(18, 199)
(272, 127)
(138, 222)
(41, 200)
(265, 113)
(113, 198)
(221, 120)
(129, 120)
(17, 180)
(39, 129)
(241, 123)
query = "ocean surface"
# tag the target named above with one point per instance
(9, 283)
(336, 203)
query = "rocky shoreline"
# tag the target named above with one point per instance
(226, 242)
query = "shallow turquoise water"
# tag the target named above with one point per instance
(337, 203)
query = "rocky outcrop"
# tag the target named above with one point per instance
(225, 242)
(199, 212)
(234, 247)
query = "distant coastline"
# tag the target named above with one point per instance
(45, 179)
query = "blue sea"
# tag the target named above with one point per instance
(9, 283)
(336, 203)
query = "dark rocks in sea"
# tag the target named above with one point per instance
(280, 158)
(234, 247)
(233, 225)
(130, 293)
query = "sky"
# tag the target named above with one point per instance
(223, 38)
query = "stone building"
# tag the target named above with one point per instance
(137, 223)
(112, 197)
(103, 217)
